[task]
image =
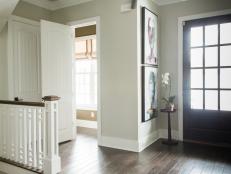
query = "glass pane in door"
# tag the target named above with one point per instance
(225, 100)
(225, 55)
(196, 78)
(197, 57)
(211, 78)
(196, 36)
(211, 35)
(211, 56)
(211, 100)
(225, 33)
(196, 99)
(225, 78)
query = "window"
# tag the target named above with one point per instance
(210, 67)
(85, 47)
(86, 73)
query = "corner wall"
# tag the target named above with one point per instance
(118, 63)
(147, 131)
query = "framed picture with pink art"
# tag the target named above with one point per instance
(149, 37)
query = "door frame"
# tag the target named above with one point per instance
(75, 24)
(181, 21)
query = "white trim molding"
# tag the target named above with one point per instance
(148, 140)
(75, 24)
(181, 20)
(55, 5)
(119, 143)
(86, 123)
(129, 145)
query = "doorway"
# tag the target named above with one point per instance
(86, 75)
(206, 84)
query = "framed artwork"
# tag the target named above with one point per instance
(149, 92)
(149, 37)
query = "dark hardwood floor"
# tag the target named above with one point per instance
(83, 156)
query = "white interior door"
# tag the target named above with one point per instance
(56, 53)
(26, 61)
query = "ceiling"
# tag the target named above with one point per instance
(6, 8)
(55, 4)
(166, 2)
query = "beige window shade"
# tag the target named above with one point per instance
(81, 49)
(85, 48)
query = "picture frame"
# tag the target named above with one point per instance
(149, 92)
(149, 37)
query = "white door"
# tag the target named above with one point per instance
(56, 53)
(26, 61)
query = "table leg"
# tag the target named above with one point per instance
(169, 128)
(169, 141)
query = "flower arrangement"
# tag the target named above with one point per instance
(167, 84)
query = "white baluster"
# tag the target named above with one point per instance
(39, 138)
(24, 135)
(52, 160)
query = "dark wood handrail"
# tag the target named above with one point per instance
(22, 103)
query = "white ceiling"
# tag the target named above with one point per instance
(55, 4)
(166, 2)
(6, 8)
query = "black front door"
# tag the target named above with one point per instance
(207, 80)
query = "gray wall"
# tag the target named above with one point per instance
(169, 37)
(120, 55)
(118, 64)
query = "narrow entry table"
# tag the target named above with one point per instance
(169, 141)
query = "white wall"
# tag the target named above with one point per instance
(169, 38)
(3, 64)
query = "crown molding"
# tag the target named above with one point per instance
(55, 5)
(167, 2)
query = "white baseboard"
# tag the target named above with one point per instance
(133, 145)
(86, 123)
(163, 133)
(118, 143)
(148, 140)
(11, 169)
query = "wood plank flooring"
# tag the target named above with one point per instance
(83, 156)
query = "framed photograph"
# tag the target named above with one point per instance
(149, 92)
(149, 37)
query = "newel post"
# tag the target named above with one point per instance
(52, 162)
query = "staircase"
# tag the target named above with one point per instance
(29, 137)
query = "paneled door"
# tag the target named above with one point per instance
(207, 80)
(25, 66)
(57, 58)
